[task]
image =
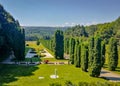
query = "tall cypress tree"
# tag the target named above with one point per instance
(103, 53)
(91, 51)
(95, 68)
(84, 57)
(77, 54)
(113, 55)
(59, 45)
(72, 47)
(66, 45)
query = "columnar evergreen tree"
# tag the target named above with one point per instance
(22, 47)
(103, 53)
(95, 68)
(77, 54)
(84, 57)
(59, 45)
(91, 51)
(72, 47)
(66, 45)
(113, 55)
(51, 45)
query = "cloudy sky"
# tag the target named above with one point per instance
(62, 12)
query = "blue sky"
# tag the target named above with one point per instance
(62, 12)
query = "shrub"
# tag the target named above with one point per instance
(55, 84)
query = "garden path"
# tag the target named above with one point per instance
(111, 76)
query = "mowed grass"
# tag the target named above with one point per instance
(28, 75)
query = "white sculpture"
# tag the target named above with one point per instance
(55, 76)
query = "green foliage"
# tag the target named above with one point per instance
(77, 54)
(91, 51)
(84, 57)
(69, 83)
(49, 44)
(55, 84)
(72, 47)
(66, 45)
(95, 68)
(59, 45)
(76, 31)
(12, 36)
(105, 30)
(103, 50)
(34, 33)
(112, 55)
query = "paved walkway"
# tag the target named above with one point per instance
(30, 55)
(111, 76)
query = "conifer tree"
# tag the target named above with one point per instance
(113, 55)
(91, 51)
(103, 53)
(95, 68)
(59, 45)
(77, 54)
(84, 57)
(72, 47)
(66, 45)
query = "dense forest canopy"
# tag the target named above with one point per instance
(11, 36)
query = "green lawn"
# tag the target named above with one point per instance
(34, 59)
(28, 75)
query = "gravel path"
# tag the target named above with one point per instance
(113, 77)
(47, 54)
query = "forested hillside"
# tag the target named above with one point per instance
(11, 36)
(105, 30)
(34, 32)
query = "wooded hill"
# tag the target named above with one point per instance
(36, 32)
(105, 30)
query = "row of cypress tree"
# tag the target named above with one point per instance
(90, 54)
(56, 44)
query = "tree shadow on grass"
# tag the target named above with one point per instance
(9, 73)
(118, 69)
(103, 72)
(113, 78)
